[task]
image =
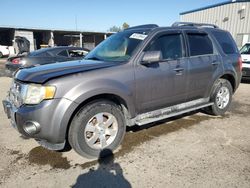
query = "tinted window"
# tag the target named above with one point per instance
(226, 42)
(45, 54)
(40, 52)
(199, 44)
(169, 45)
(245, 49)
(63, 53)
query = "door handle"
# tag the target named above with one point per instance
(215, 62)
(178, 69)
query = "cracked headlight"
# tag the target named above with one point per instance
(34, 93)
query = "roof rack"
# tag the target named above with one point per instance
(147, 26)
(178, 24)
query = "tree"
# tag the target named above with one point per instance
(125, 25)
(118, 28)
(114, 29)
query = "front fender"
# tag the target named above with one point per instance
(86, 90)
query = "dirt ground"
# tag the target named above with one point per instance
(193, 150)
(2, 66)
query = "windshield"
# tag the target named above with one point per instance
(245, 49)
(118, 47)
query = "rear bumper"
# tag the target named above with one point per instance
(52, 116)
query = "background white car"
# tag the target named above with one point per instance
(4, 51)
(245, 55)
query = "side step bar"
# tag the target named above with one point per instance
(147, 120)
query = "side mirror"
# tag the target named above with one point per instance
(151, 57)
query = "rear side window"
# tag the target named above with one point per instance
(199, 44)
(169, 45)
(63, 53)
(77, 53)
(226, 42)
(45, 54)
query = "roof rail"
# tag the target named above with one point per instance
(147, 26)
(178, 24)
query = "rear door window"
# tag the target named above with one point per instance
(226, 42)
(199, 44)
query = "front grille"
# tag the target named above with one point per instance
(15, 93)
(246, 72)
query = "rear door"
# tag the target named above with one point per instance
(202, 63)
(163, 83)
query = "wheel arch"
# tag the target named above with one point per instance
(119, 101)
(231, 79)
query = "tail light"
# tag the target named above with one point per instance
(240, 63)
(16, 61)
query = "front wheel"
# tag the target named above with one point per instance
(97, 126)
(221, 96)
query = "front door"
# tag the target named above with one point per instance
(163, 83)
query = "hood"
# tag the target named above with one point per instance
(41, 74)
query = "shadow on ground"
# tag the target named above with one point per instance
(108, 174)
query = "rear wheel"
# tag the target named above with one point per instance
(221, 96)
(97, 126)
(1, 54)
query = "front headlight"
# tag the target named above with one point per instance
(34, 93)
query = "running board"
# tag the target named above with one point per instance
(142, 121)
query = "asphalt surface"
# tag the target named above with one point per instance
(192, 150)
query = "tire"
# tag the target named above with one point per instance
(221, 97)
(1, 54)
(90, 127)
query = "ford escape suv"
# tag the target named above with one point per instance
(140, 75)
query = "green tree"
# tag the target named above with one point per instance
(115, 28)
(125, 25)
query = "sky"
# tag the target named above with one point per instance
(94, 15)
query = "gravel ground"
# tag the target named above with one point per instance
(193, 150)
(2, 67)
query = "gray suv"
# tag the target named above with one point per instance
(138, 76)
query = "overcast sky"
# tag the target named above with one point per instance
(94, 15)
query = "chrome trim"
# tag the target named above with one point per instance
(153, 119)
(171, 111)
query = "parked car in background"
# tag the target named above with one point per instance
(4, 51)
(45, 56)
(245, 54)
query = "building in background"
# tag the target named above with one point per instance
(41, 38)
(233, 16)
